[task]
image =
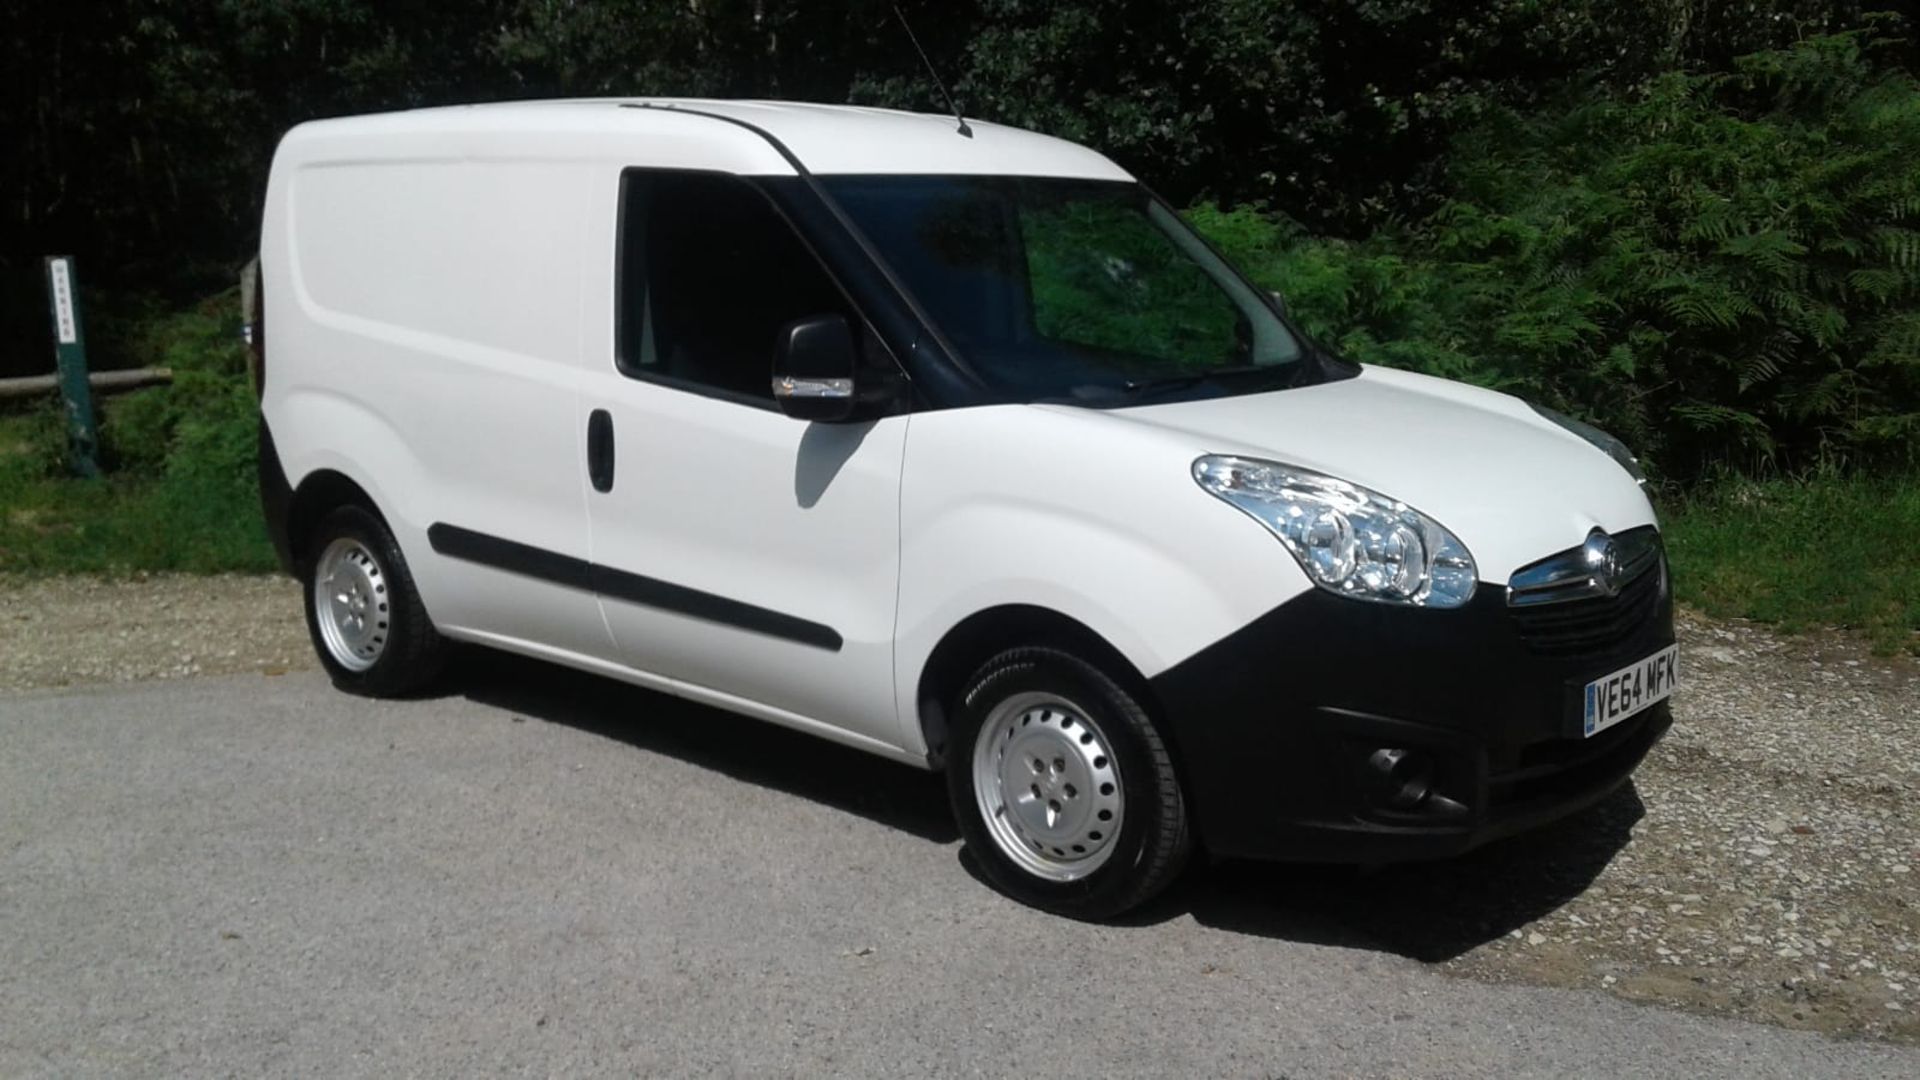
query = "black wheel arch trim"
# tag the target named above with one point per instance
(576, 573)
(276, 499)
(985, 633)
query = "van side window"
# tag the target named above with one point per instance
(709, 273)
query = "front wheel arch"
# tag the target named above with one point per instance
(987, 633)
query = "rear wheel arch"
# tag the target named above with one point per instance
(369, 627)
(985, 634)
(320, 493)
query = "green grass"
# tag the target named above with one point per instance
(198, 521)
(1828, 552)
(180, 493)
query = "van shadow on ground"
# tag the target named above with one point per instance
(1429, 912)
(749, 750)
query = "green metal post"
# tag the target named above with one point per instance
(70, 356)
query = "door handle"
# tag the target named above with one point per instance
(600, 450)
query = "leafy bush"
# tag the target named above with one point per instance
(1721, 268)
(35, 443)
(1379, 301)
(202, 346)
(181, 492)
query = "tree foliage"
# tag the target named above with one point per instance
(1721, 267)
(1588, 200)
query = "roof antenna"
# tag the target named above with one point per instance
(908, 27)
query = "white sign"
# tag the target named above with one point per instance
(63, 302)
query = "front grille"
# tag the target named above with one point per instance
(1593, 623)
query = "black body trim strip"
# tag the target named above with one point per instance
(513, 557)
(276, 500)
(458, 543)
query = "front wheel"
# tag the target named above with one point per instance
(1064, 791)
(366, 619)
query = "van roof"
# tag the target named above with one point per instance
(825, 138)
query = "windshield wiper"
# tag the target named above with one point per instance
(1181, 382)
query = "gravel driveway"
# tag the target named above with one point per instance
(66, 631)
(1765, 865)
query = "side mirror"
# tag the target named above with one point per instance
(813, 362)
(1278, 300)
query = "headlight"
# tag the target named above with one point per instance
(1602, 441)
(1349, 540)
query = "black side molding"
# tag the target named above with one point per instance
(513, 557)
(457, 543)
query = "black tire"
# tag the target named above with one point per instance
(1153, 842)
(411, 654)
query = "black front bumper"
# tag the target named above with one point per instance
(1276, 727)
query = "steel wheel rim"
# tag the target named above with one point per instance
(350, 604)
(1047, 786)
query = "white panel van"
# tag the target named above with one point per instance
(957, 448)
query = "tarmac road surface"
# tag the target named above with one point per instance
(553, 874)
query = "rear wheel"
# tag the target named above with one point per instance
(1063, 789)
(366, 619)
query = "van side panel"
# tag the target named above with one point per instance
(1017, 505)
(430, 353)
(472, 259)
(424, 275)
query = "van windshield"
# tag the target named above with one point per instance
(1079, 290)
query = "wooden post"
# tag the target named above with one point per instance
(250, 330)
(101, 381)
(70, 359)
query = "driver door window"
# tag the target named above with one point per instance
(709, 273)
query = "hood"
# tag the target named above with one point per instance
(1512, 485)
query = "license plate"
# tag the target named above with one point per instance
(1637, 686)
